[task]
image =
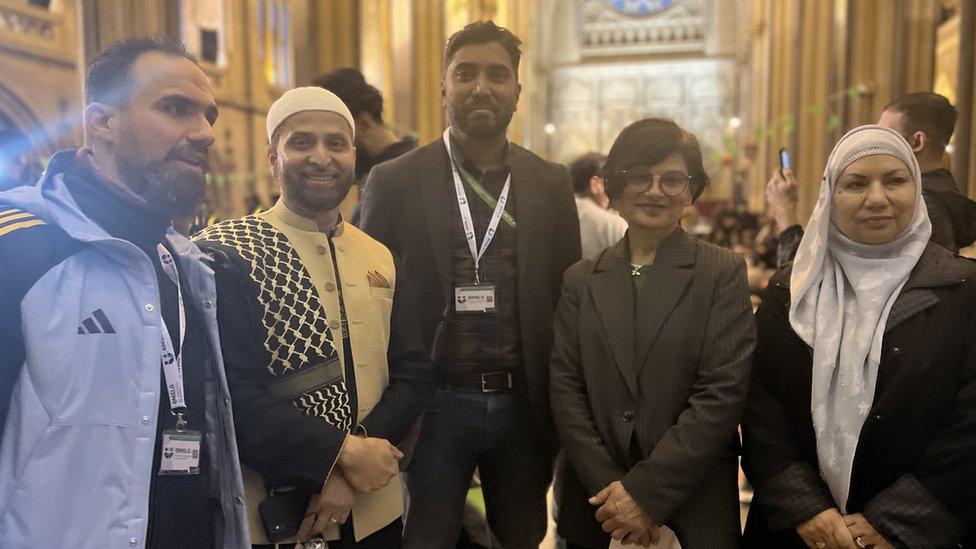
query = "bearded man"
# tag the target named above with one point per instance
(485, 230)
(304, 302)
(118, 431)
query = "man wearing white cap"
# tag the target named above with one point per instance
(304, 303)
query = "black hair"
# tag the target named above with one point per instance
(926, 112)
(108, 79)
(351, 87)
(482, 32)
(648, 142)
(583, 168)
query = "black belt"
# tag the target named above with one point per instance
(491, 382)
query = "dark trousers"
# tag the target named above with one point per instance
(490, 431)
(387, 537)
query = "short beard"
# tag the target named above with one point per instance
(299, 195)
(165, 192)
(481, 131)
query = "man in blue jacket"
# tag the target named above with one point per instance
(115, 414)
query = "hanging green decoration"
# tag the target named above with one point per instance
(788, 124)
(729, 144)
(833, 123)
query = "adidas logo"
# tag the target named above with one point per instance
(97, 323)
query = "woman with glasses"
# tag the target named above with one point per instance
(650, 364)
(860, 428)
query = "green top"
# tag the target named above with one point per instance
(637, 273)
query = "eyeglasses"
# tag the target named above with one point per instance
(638, 180)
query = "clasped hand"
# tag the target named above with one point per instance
(331, 507)
(365, 465)
(830, 530)
(623, 518)
(369, 463)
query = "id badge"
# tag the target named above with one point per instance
(476, 298)
(181, 453)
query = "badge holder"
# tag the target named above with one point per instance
(477, 297)
(180, 453)
(180, 450)
(474, 298)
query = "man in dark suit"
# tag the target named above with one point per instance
(484, 230)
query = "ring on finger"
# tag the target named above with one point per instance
(860, 543)
(820, 544)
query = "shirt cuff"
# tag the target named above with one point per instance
(795, 495)
(908, 515)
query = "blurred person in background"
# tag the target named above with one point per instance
(375, 141)
(926, 120)
(599, 226)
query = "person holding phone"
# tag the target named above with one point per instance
(781, 198)
(926, 120)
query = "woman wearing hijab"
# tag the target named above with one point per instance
(650, 364)
(860, 429)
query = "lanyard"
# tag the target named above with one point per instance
(172, 357)
(466, 221)
(484, 195)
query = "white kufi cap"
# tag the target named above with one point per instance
(307, 98)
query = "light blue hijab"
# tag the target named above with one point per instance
(842, 292)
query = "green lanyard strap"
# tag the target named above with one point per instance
(480, 191)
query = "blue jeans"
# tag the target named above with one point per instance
(490, 431)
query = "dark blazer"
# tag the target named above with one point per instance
(403, 209)
(650, 393)
(914, 475)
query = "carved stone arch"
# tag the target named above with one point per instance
(21, 116)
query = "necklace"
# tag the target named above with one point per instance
(635, 269)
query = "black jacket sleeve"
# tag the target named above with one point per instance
(568, 230)
(935, 504)
(575, 423)
(941, 219)
(276, 439)
(788, 489)
(379, 199)
(412, 379)
(787, 244)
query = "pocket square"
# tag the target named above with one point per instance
(377, 280)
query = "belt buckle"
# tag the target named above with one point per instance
(484, 382)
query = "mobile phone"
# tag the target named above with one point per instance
(784, 161)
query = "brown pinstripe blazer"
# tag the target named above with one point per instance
(649, 390)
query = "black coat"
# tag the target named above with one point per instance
(914, 475)
(403, 208)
